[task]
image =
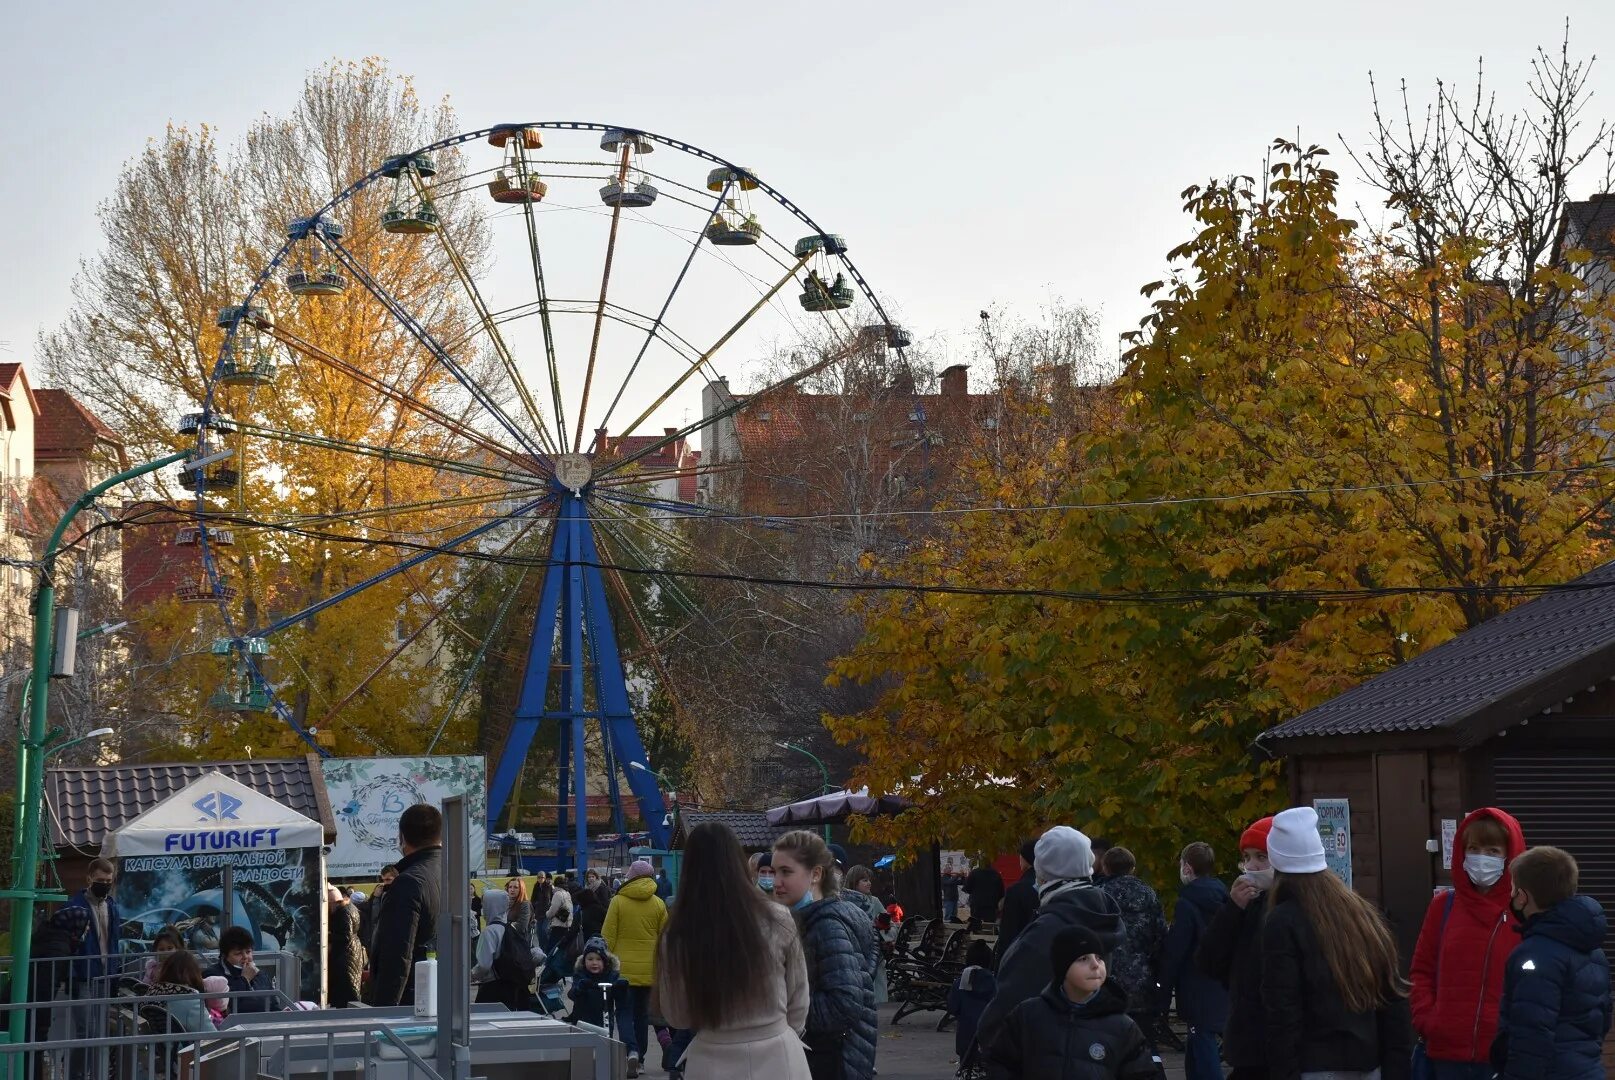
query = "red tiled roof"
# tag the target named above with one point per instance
(9, 374)
(67, 427)
(689, 482)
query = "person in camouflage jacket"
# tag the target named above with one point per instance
(1136, 961)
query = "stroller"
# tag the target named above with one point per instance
(557, 963)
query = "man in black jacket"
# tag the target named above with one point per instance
(1066, 896)
(986, 888)
(406, 925)
(1020, 904)
(1202, 1000)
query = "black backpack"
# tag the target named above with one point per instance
(514, 963)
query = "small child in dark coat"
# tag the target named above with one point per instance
(968, 999)
(1555, 1012)
(596, 980)
(1078, 1028)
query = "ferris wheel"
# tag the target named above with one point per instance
(590, 279)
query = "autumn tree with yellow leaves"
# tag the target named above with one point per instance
(1335, 446)
(188, 229)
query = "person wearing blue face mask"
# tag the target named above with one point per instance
(1462, 954)
(841, 951)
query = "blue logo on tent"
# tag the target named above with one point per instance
(217, 806)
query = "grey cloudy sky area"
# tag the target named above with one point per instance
(973, 154)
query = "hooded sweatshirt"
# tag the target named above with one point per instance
(1458, 968)
(495, 908)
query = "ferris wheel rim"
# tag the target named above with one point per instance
(210, 562)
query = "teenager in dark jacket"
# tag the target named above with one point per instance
(1020, 903)
(235, 965)
(1555, 1012)
(1064, 859)
(985, 887)
(968, 997)
(1334, 998)
(406, 927)
(1231, 953)
(1463, 949)
(1202, 1001)
(1077, 1028)
(841, 949)
(1134, 961)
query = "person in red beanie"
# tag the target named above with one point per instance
(1230, 952)
(1463, 949)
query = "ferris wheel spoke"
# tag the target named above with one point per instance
(612, 524)
(445, 548)
(630, 479)
(600, 308)
(699, 362)
(477, 660)
(734, 406)
(656, 326)
(382, 453)
(408, 401)
(430, 343)
(437, 611)
(463, 272)
(542, 292)
(393, 509)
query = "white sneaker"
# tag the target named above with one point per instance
(633, 1066)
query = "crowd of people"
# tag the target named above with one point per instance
(1289, 974)
(1286, 975)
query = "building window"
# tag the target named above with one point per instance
(766, 775)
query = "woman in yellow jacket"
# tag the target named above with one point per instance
(633, 929)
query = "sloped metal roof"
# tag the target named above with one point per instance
(86, 804)
(1505, 670)
(750, 827)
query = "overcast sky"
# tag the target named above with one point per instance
(973, 154)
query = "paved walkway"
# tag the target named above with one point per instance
(914, 1050)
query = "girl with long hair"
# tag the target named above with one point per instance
(180, 973)
(731, 968)
(1334, 998)
(839, 942)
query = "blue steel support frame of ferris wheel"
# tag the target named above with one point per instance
(574, 590)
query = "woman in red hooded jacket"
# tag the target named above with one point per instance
(1463, 948)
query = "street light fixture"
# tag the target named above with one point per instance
(52, 748)
(667, 785)
(824, 772)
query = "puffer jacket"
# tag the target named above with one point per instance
(840, 947)
(1309, 1028)
(633, 927)
(1461, 956)
(1231, 953)
(1048, 1037)
(1135, 961)
(345, 967)
(1202, 1000)
(1025, 968)
(1556, 1004)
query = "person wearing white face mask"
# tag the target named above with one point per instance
(1462, 954)
(1230, 952)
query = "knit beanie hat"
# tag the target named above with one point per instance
(214, 987)
(1256, 835)
(596, 945)
(1293, 845)
(839, 853)
(641, 868)
(1062, 853)
(1029, 852)
(1069, 944)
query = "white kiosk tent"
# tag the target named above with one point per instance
(217, 849)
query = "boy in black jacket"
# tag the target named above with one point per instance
(1078, 1028)
(1556, 1002)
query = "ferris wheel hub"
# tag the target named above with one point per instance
(573, 472)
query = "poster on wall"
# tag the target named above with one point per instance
(1334, 827)
(954, 862)
(369, 794)
(171, 862)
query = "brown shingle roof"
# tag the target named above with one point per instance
(750, 827)
(1592, 224)
(1507, 669)
(66, 426)
(87, 804)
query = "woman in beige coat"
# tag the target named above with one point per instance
(731, 968)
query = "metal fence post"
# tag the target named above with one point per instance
(454, 946)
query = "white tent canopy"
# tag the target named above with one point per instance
(214, 814)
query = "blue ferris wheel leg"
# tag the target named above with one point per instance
(574, 593)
